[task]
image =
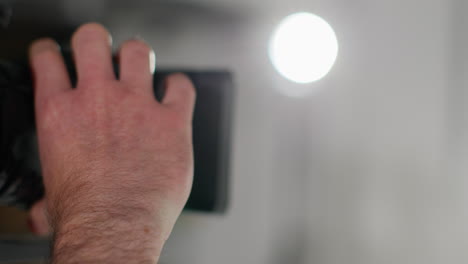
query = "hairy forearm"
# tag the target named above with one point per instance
(92, 225)
(97, 228)
(102, 238)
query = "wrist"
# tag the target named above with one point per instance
(100, 237)
(92, 225)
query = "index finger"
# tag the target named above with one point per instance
(48, 67)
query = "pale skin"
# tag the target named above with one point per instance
(117, 164)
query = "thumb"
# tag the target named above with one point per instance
(38, 221)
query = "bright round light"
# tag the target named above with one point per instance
(303, 48)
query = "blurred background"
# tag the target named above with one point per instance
(366, 165)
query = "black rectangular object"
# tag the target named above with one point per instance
(211, 133)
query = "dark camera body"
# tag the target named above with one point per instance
(20, 173)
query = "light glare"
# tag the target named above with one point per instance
(303, 48)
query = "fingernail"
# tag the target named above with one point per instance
(152, 55)
(41, 45)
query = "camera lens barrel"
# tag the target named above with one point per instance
(20, 178)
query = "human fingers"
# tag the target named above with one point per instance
(137, 63)
(38, 220)
(92, 53)
(180, 94)
(48, 67)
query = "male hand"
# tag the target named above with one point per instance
(117, 164)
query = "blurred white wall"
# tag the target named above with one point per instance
(381, 186)
(366, 169)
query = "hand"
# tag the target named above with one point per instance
(117, 164)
